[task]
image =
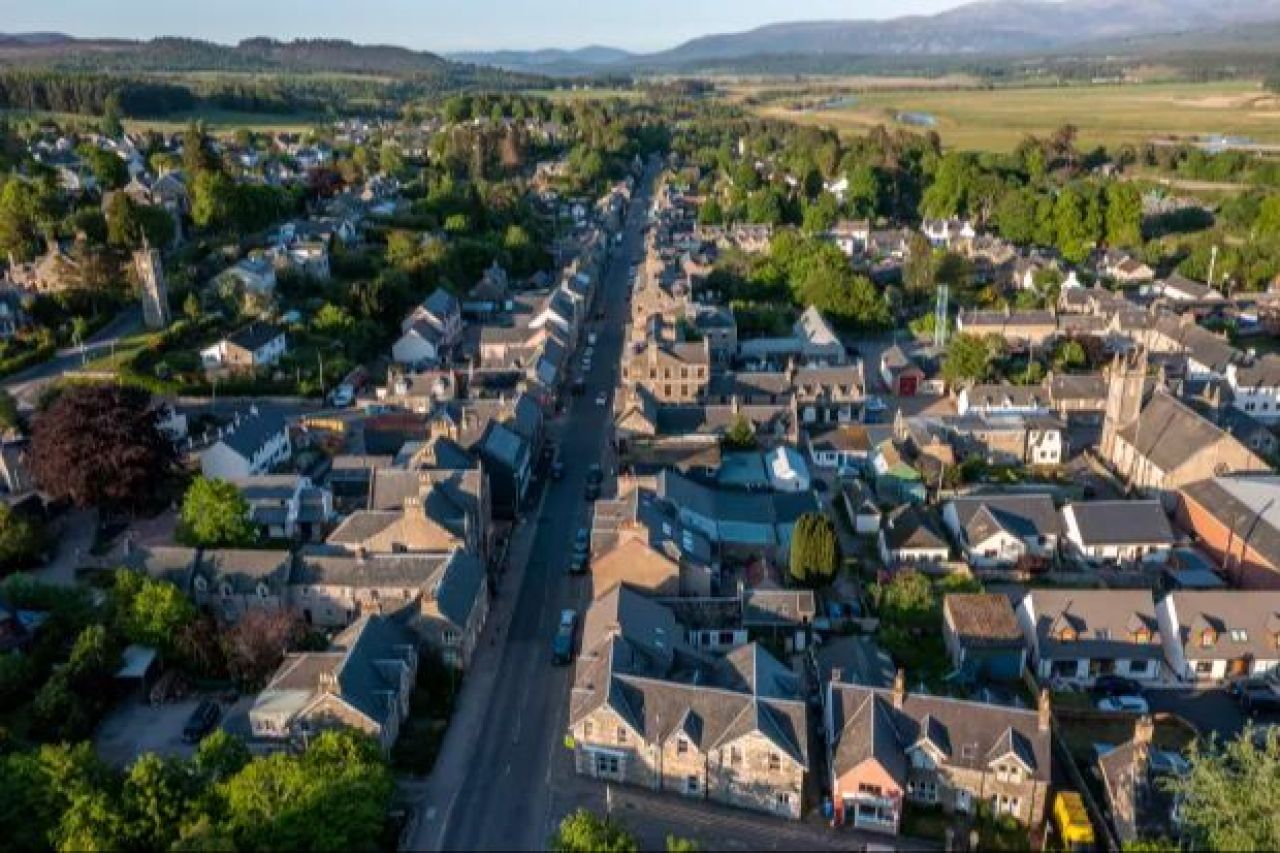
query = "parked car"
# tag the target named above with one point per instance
(1264, 698)
(1116, 685)
(201, 721)
(602, 399)
(562, 645)
(595, 477)
(1124, 705)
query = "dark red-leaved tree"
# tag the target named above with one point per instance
(257, 644)
(101, 445)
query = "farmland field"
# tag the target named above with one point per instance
(996, 119)
(217, 121)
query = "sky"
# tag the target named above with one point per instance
(440, 25)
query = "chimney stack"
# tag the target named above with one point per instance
(1045, 711)
(899, 688)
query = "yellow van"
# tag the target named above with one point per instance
(1073, 823)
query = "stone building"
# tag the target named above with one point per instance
(155, 294)
(650, 710)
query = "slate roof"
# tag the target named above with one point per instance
(173, 564)
(254, 432)
(366, 659)
(254, 336)
(244, 569)
(909, 527)
(635, 661)
(1103, 622)
(970, 735)
(1245, 622)
(1244, 502)
(329, 566)
(441, 303)
(460, 581)
(1120, 522)
(1023, 516)
(781, 607)
(1169, 433)
(857, 658)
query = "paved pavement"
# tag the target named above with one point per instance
(26, 385)
(503, 758)
(1211, 711)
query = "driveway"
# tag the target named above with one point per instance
(1210, 710)
(135, 727)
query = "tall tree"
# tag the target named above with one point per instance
(815, 549)
(101, 445)
(22, 541)
(1229, 795)
(215, 515)
(584, 832)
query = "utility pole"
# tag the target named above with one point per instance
(1213, 262)
(940, 317)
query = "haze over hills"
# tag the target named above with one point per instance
(256, 54)
(987, 27)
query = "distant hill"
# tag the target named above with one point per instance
(58, 51)
(585, 60)
(983, 29)
(989, 27)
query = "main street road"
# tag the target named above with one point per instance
(504, 799)
(26, 385)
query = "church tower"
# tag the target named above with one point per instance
(1126, 380)
(155, 296)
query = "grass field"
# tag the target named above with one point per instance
(218, 121)
(594, 94)
(997, 119)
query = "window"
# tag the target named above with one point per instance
(872, 790)
(783, 800)
(775, 761)
(608, 764)
(726, 638)
(1204, 667)
(682, 746)
(449, 637)
(1007, 805)
(1239, 635)
(622, 735)
(735, 756)
(1207, 639)
(1008, 773)
(924, 791)
(691, 785)
(586, 729)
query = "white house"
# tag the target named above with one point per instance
(1002, 530)
(1077, 635)
(911, 537)
(1256, 388)
(419, 344)
(944, 232)
(442, 312)
(254, 346)
(1003, 399)
(786, 469)
(251, 446)
(1118, 532)
(1212, 636)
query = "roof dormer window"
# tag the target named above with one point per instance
(1207, 638)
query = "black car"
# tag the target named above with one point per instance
(1265, 698)
(1116, 685)
(201, 721)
